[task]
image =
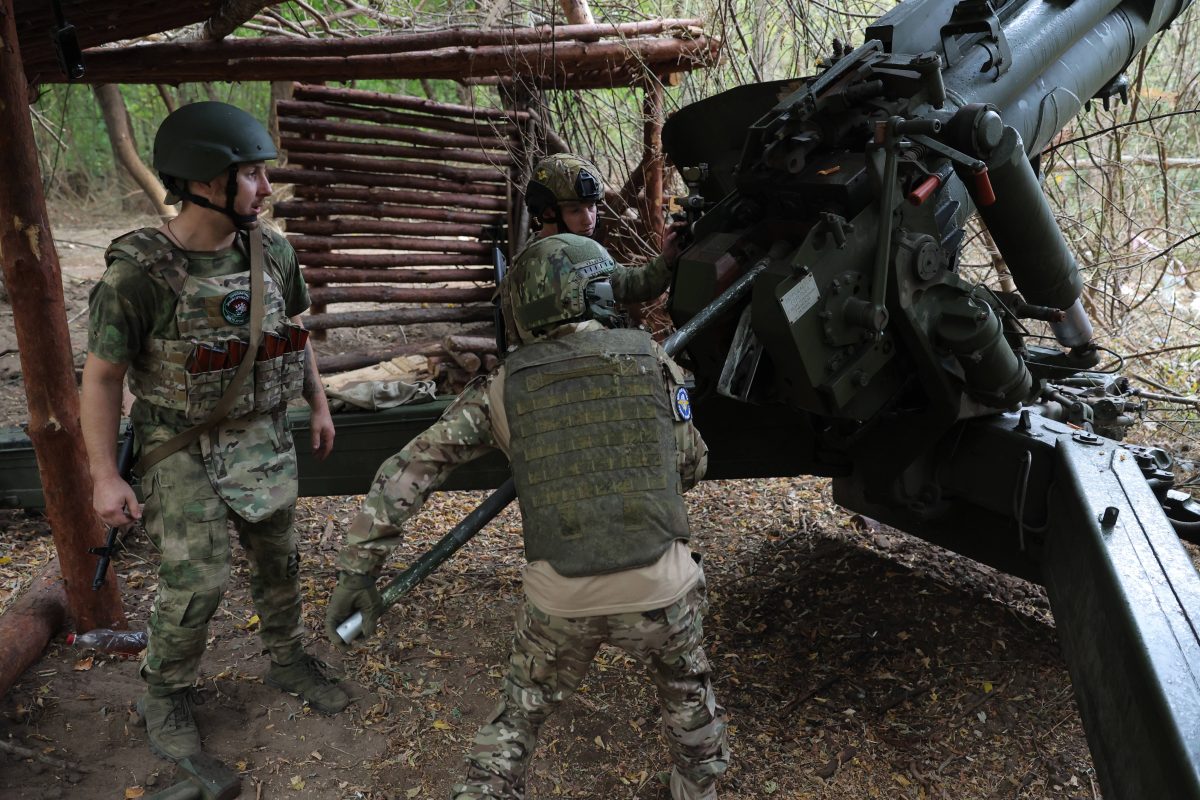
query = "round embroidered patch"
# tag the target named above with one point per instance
(683, 404)
(235, 308)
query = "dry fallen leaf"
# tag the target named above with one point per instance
(83, 665)
(440, 725)
(297, 782)
(134, 791)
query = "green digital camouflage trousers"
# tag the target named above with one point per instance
(189, 524)
(549, 658)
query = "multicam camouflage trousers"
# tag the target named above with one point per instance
(549, 658)
(189, 524)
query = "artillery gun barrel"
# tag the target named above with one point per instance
(496, 502)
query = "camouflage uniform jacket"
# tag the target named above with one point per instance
(250, 460)
(472, 426)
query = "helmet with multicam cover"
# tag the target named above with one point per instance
(562, 178)
(561, 278)
(200, 141)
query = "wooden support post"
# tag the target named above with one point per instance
(578, 12)
(652, 160)
(34, 282)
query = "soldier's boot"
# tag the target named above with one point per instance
(310, 679)
(171, 730)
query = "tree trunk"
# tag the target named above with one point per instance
(34, 281)
(116, 121)
(29, 625)
(578, 12)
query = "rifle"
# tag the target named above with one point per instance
(125, 468)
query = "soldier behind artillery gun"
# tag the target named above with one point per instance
(563, 196)
(176, 309)
(597, 425)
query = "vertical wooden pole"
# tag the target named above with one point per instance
(34, 282)
(652, 160)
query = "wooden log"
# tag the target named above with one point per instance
(288, 47)
(374, 194)
(35, 289)
(363, 130)
(345, 362)
(307, 109)
(578, 12)
(319, 276)
(397, 316)
(490, 362)
(294, 144)
(300, 209)
(469, 362)
(633, 75)
(436, 169)
(141, 65)
(30, 623)
(322, 177)
(633, 186)
(652, 160)
(386, 261)
(349, 226)
(400, 294)
(329, 94)
(417, 243)
(469, 344)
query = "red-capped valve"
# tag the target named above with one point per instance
(985, 195)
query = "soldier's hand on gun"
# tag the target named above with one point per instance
(115, 502)
(354, 592)
(673, 242)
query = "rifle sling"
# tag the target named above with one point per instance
(185, 438)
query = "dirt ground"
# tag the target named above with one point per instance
(854, 661)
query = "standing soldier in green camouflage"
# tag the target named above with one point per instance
(178, 310)
(597, 425)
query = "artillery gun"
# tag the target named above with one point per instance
(919, 392)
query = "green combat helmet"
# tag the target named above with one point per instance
(561, 178)
(200, 141)
(562, 278)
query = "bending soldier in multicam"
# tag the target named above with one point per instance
(597, 425)
(174, 310)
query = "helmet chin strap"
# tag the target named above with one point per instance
(242, 222)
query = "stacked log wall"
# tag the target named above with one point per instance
(396, 203)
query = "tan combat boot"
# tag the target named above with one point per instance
(310, 679)
(171, 729)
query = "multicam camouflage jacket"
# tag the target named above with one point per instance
(475, 424)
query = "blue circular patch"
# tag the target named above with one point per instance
(235, 308)
(683, 404)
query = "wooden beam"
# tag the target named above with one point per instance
(327, 177)
(322, 276)
(578, 12)
(397, 316)
(306, 209)
(294, 144)
(652, 161)
(390, 132)
(374, 194)
(147, 64)
(327, 94)
(312, 109)
(34, 282)
(436, 169)
(400, 294)
(386, 227)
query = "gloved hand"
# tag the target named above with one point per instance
(354, 592)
